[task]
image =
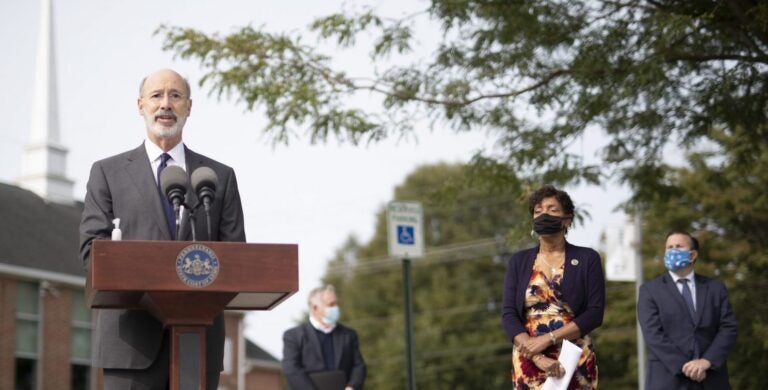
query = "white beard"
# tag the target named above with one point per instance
(165, 132)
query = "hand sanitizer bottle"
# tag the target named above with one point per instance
(117, 234)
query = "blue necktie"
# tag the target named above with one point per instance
(169, 218)
(688, 298)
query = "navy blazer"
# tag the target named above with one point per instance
(302, 354)
(669, 331)
(583, 286)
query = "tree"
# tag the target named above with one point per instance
(616, 339)
(648, 73)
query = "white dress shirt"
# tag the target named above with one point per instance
(691, 284)
(154, 152)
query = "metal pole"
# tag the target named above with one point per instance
(638, 282)
(411, 380)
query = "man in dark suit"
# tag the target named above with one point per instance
(131, 345)
(687, 323)
(322, 345)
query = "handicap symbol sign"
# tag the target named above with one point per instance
(405, 235)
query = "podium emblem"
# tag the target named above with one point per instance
(197, 265)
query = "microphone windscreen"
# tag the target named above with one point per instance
(204, 177)
(174, 178)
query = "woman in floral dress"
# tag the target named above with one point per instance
(552, 292)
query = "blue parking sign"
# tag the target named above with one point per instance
(405, 235)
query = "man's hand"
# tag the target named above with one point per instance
(349, 388)
(697, 369)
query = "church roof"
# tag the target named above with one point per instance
(254, 352)
(38, 234)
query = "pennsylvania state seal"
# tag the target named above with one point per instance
(197, 265)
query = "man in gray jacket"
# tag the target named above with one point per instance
(131, 345)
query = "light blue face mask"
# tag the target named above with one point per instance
(676, 259)
(332, 315)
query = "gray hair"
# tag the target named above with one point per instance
(186, 84)
(315, 294)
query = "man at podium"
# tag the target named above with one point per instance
(323, 354)
(131, 345)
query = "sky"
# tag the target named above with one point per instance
(311, 195)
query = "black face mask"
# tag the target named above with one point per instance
(547, 224)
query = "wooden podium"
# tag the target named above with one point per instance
(186, 285)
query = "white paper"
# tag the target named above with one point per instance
(569, 358)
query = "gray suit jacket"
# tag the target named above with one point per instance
(302, 354)
(670, 332)
(123, 186)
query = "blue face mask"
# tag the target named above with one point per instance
(676, 259)
(332, 315)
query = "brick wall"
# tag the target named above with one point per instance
(7, 332)
(264, 379)
(56, 315)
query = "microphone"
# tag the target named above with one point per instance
(173, 182)
(204, 182)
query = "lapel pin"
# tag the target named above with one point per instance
(574, 262)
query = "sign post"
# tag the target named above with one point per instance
(406, 240)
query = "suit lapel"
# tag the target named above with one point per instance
(701, 295)
(140, 172)
(338, 342)
(312, 337)
(524, 278)
(569, 269)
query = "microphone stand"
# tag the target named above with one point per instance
(177, 199)
(177, 215)
(192, 221)
(190, 218)
(207, 208)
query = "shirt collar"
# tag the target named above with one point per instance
(176, 153)
(319, 326)
(675, 278)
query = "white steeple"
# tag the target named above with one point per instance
(44, 165)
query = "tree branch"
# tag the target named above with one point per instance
(462, 103)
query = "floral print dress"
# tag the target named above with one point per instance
(546, 311)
